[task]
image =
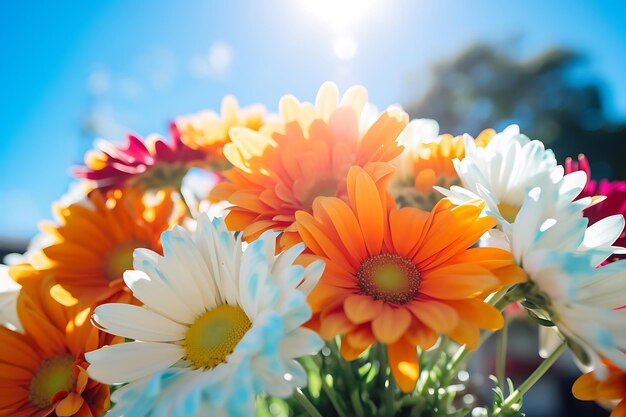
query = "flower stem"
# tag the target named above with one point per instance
(350, 382)
(387, 382)
(332, 396)
(532, 379)
(499, 300)
(191, 210)
(501, 362)
(306, 404)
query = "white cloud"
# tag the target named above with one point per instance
(98, 82)
(130, 87)
(215, 64)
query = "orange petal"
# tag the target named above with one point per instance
(69, 405)
(334, 322)
(324, 294)
(379, 142)
(81, 379)
(421, 335)
(466, 333)
(404, 364)
(345, 224)
(391, 324)
(468, 237)
(239, 219)
(455, 282)
(612, 388)
(314, 237)
(478, 312)
(361, 337)
(362, 308)
(366, 203)
(350, 352)
(436, 315)
(405, 222)
(585, 387)
(448, 223)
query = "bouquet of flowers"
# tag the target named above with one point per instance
(329, 260)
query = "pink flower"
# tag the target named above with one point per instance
(147, 165)
(615, 192)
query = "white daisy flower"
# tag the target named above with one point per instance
(218, 325)
(503, 172)
(584, 303)
(551, 219)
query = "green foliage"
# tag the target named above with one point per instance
(499, 409)
(365, 387)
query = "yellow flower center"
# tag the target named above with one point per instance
(53, 375)
(508, 212)
(120, 259)
(389, 277)
(215, 334)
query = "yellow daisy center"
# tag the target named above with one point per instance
(53, 375)
(120, 259)
(389, 277)
(215, 334)
(508, 212)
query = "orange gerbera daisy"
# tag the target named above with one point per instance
(275, 176)
(428, 163)
(43, 371)
(94, 242)
(208, 131)
(610, 391)
(401, 276)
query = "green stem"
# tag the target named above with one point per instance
(501, 362)
(388, 383)
(306, 404)
(532, 379)
(461, 355)
(347, 371)
(443, 344)
(191, 211)
(332, 396)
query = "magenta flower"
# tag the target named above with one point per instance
(147, 165)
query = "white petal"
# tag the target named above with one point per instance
(137, 323)
(549, 340)
(300, 342)
(156, 295)
(130, 361)
(604, 232)
(173, 267)
(312, 274)
(221, 253)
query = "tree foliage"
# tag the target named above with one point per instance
(552, 96)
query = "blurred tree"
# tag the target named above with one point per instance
(548, 96)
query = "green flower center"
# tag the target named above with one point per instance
(389, 277)
(54, 375)
(214, 335)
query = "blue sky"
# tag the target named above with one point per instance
(134, 65)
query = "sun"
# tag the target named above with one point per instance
(339, 14)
